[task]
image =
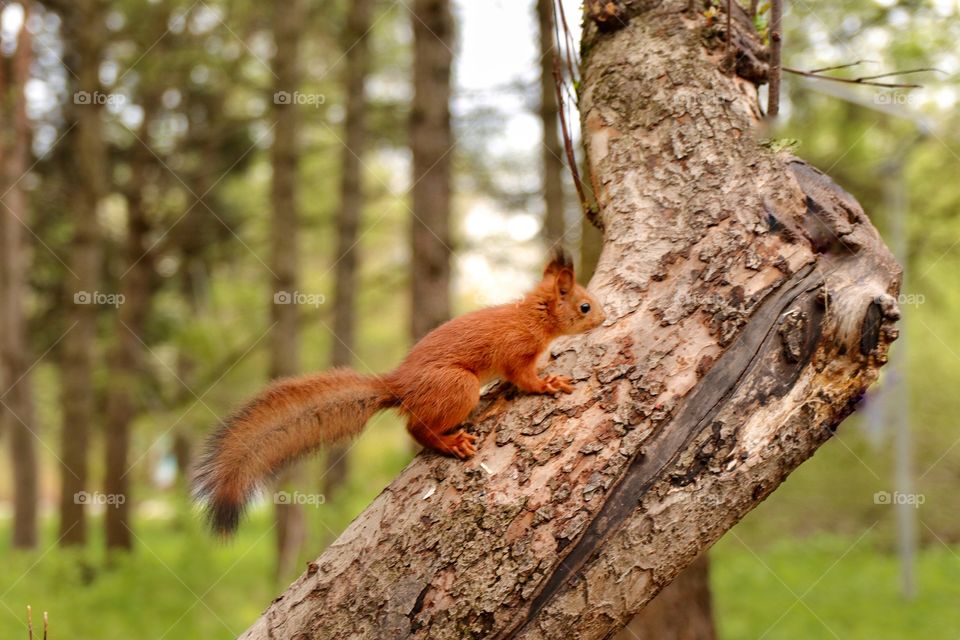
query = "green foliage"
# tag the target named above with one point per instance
(789, 145)
(762, 19)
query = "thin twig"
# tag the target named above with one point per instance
(863, 81)
(841, 66)
(776, 45)
(900, 73)
(569, 47)
(573, 65)
(567, 141)
(728, 56)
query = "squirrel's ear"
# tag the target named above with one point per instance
(560, 260)
(564, 282)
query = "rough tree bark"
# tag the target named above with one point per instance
(84, 33)
(288, 22)
(356, 43)
(750, 304)
(16, 394)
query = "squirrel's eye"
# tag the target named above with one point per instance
(585, 307)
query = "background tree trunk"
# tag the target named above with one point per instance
(192, 237)
(431, 141)
(84, 34)
(16, 401)
(554, 222)
(355, 42)
(137, 285)
(750, 303)
(591, 244)
(682, 611)
(288, 23)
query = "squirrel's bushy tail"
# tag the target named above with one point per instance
(289, 419)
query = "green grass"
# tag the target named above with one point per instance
(176, 584)
(831, 587)
(179, 584)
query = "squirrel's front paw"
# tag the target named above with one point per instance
(553, 384)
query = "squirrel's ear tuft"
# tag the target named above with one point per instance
(560, 260)
(560, 268)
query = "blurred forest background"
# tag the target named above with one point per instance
(198, 195)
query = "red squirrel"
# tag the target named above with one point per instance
(435, 387)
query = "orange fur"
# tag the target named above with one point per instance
(435, 387)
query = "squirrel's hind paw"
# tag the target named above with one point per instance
(462, 444)
(553, 384)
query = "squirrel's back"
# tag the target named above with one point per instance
(479, 341)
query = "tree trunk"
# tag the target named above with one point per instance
(355, 43)
(84, 34)
(431, 141)
(288, 20)
(193, 238)
(750, 303)
(126, 358)
(682, 611)
(16, 400)
(554, 223)
(591, 244)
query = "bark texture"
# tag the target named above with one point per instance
(750, 303)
